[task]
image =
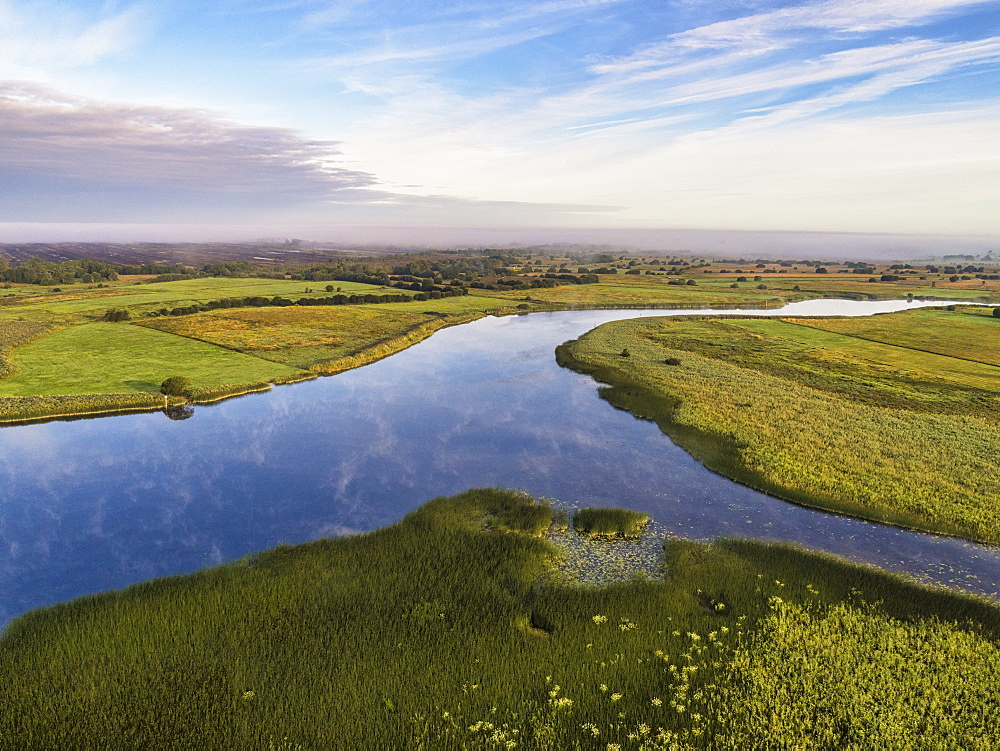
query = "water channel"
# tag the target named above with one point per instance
(92, 505)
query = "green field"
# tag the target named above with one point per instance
(929, 330)
(651, 291)
(219, 350)
(453, 630)
(81, 304)
(110, 358)
(826, 419)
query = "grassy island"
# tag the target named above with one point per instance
(891, 418)
(455, 629)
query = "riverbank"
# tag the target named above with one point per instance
(880, 430)
(452, 628)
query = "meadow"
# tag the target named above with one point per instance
(450, 630)
(109, 358)
(927, 330)
(823, 418)
(57, 343)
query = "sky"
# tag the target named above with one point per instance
(198, 119)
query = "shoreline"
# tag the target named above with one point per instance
(721, 455)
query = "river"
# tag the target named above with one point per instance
(92, 505)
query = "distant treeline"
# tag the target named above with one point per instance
(418, 276)
(36, 271)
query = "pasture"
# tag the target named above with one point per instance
(112, 358)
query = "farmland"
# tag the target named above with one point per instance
(453, 629)
(822, 417)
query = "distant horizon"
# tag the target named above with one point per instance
(686, 241)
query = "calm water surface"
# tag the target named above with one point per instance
(93, 505)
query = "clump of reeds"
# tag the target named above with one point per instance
(610, 522)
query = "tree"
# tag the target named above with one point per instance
(176, 386)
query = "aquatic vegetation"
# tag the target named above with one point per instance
(445, 631)
(610, 522)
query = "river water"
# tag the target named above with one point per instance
(92, 505)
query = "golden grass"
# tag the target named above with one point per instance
(294, 336)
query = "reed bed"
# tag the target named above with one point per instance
(226, 391)
(28, 408)
(445, 631)
(393, 345)
(610, 522)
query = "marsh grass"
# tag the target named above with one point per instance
(445, 631)
(610, 522)
(19, 409)
(823, 419)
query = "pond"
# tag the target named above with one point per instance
(91, 505)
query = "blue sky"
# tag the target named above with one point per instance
(301, 116)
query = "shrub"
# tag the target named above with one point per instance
(176, 386)
(117, 314)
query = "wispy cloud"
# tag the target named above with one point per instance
(37, 39)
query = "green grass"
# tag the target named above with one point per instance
(13, 334)
(440, 632)
(100, 358)
(651, 291)
(78, 304)
(610, 522)
(957, 333)
(881, 431)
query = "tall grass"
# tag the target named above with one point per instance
(443, 631)
(392, 345)
(610, 522)
(28, 408)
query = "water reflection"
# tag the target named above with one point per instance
(97, 504)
